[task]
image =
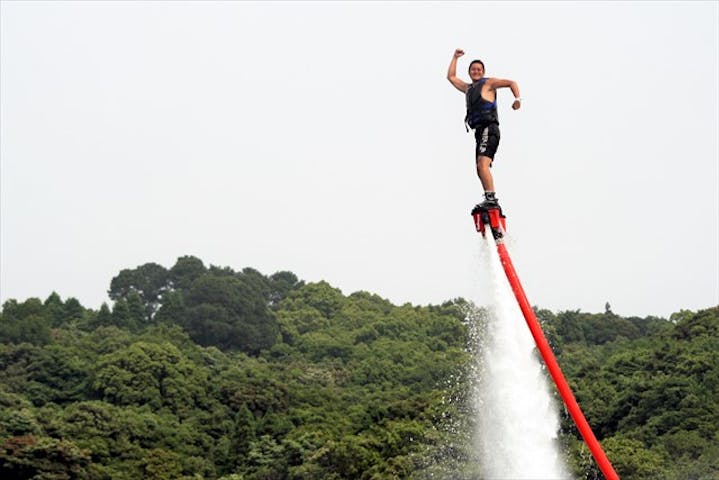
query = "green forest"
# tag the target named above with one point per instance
(204, 372)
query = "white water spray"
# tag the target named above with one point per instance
(517, 418)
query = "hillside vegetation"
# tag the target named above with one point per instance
(202, 372)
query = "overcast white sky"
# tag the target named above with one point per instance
(323, 138)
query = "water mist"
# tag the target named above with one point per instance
(517, 421)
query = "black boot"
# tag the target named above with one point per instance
(490, 200)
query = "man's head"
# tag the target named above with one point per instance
(476, 70)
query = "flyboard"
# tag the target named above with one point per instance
(491, 217)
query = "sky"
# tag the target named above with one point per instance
(323, 138)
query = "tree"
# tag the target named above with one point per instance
(16, 416)
(56, 308)
(128, 312)
(243, 435)
(28, 321)
(60, 374)
(158, 375)
(150, 281)
(186, 270)
(225, 311)
(73, 311)
(161, 464)
(173, 309)
(281, 283)
(321, 296)
(31, 457)
(632, 460)
(103, 318)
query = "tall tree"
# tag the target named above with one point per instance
(149, 281)
(186, 270)
(227, 312)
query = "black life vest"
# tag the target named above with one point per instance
(480, 112)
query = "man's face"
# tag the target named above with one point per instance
(476, 71)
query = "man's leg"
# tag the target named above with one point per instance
(487, 143)
(484, 173)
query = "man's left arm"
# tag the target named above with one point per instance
(497, 83)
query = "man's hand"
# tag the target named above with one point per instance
(458, 53)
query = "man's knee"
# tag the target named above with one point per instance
(484, 162)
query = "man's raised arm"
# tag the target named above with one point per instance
(452, 72)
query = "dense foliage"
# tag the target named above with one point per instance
(208, 373)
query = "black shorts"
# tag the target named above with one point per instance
(487, 140)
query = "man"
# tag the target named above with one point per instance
(481, 97)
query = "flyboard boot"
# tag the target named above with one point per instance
(490, 213)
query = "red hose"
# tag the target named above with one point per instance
(543, 345)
